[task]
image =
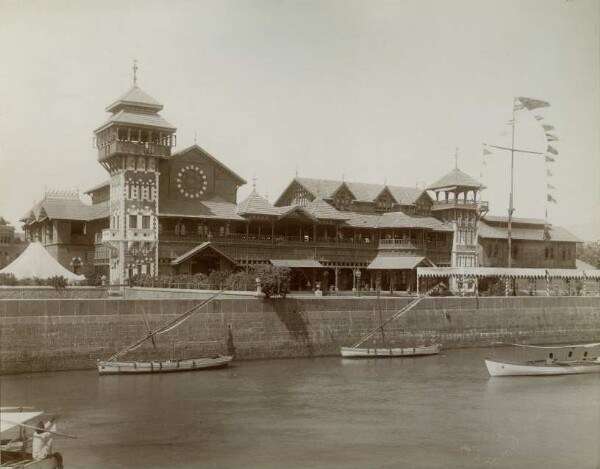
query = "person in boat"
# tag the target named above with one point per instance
(42, 440)
(550, 360)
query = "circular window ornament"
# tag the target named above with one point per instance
(191, 181)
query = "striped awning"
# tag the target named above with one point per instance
(296, 263)
(480, 272)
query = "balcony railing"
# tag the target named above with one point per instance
(141, 234)
(111, 234)
(133, 148)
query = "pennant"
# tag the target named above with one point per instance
(549, 159)
(548, 127)
(486, 152)
(548, 173)
(532, 104)
(552, 150)
(551, 138)
(551, 199)
(550, 186)
(484, 163)
(539, 118)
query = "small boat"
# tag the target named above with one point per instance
(352, 352)
(382, 352)
(112, 366)
(17, 446)
(165, 366)
(540, 367)
(576, 360)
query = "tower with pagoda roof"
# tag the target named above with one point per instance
(457, 201)
(130, 145)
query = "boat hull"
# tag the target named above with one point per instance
(166, 366)
(504, 368)
(351, 352)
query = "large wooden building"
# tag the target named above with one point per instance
(165, 212)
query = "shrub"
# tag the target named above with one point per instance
(58, 282)
(8, 279)
(273, 280)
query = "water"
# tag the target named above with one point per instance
(441, 411)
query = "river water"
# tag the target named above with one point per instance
(431, 412)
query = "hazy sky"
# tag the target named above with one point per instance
(366, 90)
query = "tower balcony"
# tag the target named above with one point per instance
(133, 237)
(481, 206)
(118, 147)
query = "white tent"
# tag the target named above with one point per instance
(35, 261)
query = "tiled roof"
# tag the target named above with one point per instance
(255, 204)
(557, 233)
(136, 96)
(455, 178)
(504, 220)
(405, 195)
(216, 208)
(135, 118)
(402, 220)
(321, 210)
(362, 220)
(67, 209)
(362, 191)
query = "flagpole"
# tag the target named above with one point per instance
(510, 199)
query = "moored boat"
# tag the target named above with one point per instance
(540, 368)
(561, 360)
(382, 352)
(26, 441)
(112, 366)
(164, 366)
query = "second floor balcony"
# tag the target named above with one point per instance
(117, 147)
(461, 204)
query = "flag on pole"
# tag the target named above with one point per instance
(486, 152)
(551, 199)
(549, 159)
(552, 150)
(551, 138)
(550, 186)
(548, 127)
(539, 118)
(484, 162)
(548, 173)
(532, 104)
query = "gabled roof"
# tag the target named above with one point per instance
(255, 204)
(456, 178)
(362, 220)
(197, 148)
(321, 210)
(362, 191)
(201, 247)
(137, 97)
(66, 209)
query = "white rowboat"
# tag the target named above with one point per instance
(352, 352)
(166, 366)
(541, 367)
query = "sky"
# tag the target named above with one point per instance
(366, 91)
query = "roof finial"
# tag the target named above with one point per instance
(343, 177)
(296, 171)
(385, 181)
(456, 158)
(195, 138)
(135, 69)
(254, 182)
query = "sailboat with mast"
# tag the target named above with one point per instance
(112, 366)
(355, 351)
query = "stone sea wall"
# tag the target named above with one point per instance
(64, 334)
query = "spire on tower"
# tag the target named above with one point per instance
(135, 69)
(456, 158)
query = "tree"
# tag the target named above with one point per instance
(274, 280)
(590, 253)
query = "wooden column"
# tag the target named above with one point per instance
(336, 270)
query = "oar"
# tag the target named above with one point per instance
(37, 428)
